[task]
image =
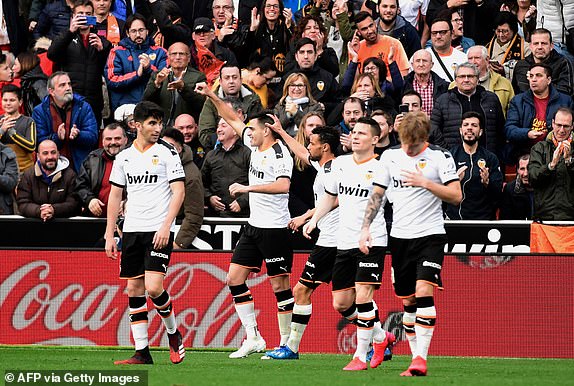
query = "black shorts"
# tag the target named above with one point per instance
(272, 245)
(353, 266)
(319, 267)
(416, 259)
(139, 256)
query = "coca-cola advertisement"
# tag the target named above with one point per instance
(491, 306)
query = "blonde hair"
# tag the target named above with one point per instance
(378, 91)
(414, 128)
(290, 79)
(301, 136)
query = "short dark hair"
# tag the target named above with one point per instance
(547, 69)
(264, 63)
(388, 116)
(303, 42)
(114, 126)
(509, 18)
(147, 109)
(542, 31)
(564, 110)
(474, 114)
(328, 135)
(361, 16)
(130, 20)
(444, 19)
(13, 89)
(354, 100)
(229, 65)
(375, 128)
(173, 133)
(28, 60)
(3, 58)
(82, 3)
(377, 62)
(263, 118)
(412, 92)
(170, 8)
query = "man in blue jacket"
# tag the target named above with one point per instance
(131, 63)
(530, 113)
(67, 119)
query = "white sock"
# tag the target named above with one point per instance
(424, 328)
(365, 326)
(301, 316)
(409, 326)
(246, 313)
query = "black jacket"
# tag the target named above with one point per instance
(324, 87)
(562, 73)
(516, 202)
(447, 116)
(478, 202)
(89, 179)
(33, 85)
(84, 65)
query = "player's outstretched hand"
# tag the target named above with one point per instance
(235, 189)
(276, 126)
(365, 241)
(111, 248)
(308, 228)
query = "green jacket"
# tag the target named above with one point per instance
(553, 189)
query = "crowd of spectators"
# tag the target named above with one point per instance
(495, 77)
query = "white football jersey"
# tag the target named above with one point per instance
(352, 182)
(269, 210)
(146, 177)
(329, 224)
(416, 211)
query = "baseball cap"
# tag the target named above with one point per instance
(203, 24)
(123, 112)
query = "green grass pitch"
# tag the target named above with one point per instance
(215, 368)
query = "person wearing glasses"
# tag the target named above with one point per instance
(444, 57)
(467, 95)
(296, 102)
(131, 63)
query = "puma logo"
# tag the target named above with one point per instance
(375, 275)
(359, 321)
(283, 268)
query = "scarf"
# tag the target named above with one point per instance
(515, 50)
(57, 121)
(113, 31)
(298, 101)
(555, 142)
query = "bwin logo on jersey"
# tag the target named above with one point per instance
(356, 191)
(274, 260)
(143, 178)
(257, 173)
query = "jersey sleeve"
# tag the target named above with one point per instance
(174, 168)
(117, 175)
(283, 165)
(447, 168)
(331, 179)
(382, 176)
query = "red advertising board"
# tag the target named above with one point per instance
(492, 306)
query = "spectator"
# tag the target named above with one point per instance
(92, 183)
(525, 12)
(530, 113)
(54, 19)
(459, 41)
(353, 109)
(124, 115)
(46, 191)
(67, 119)
(131, 63)
(517, 201)
(413, 100)
(444, 57)
(507, 47)
(8, 179)
(367, 89)
(543, 52)
(16, 130)
(324, 87)
(41, 49)
(187, 126)
(557, 18)
(296, 102)
(82, 54)
(479, 173)
(33, 81)
(13, 35)
(386, 139)
(228, 29)
(380, 46)
(228, 163)
(467, 96)
(6, 74)
(191, 211)
(390, 23)
(478, 16)
(423, 80)
(230, 88)
(170, 26)
(108, 26)
(312, 27)
(259, 73)
(340, 32)
(551, 171)
(173, 88)
(490, 80)
(207, 54)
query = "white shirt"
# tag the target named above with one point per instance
(416, 211)
(329, 224)
(352, 182)
(410, 10)
(146, 177)
(269, 210)
(455, 58)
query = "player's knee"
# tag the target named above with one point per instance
(302, 293)
(280, 283)
(154, 290)
(340, 306)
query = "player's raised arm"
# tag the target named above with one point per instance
(297, 148)
(373, 207)
(225, 111)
